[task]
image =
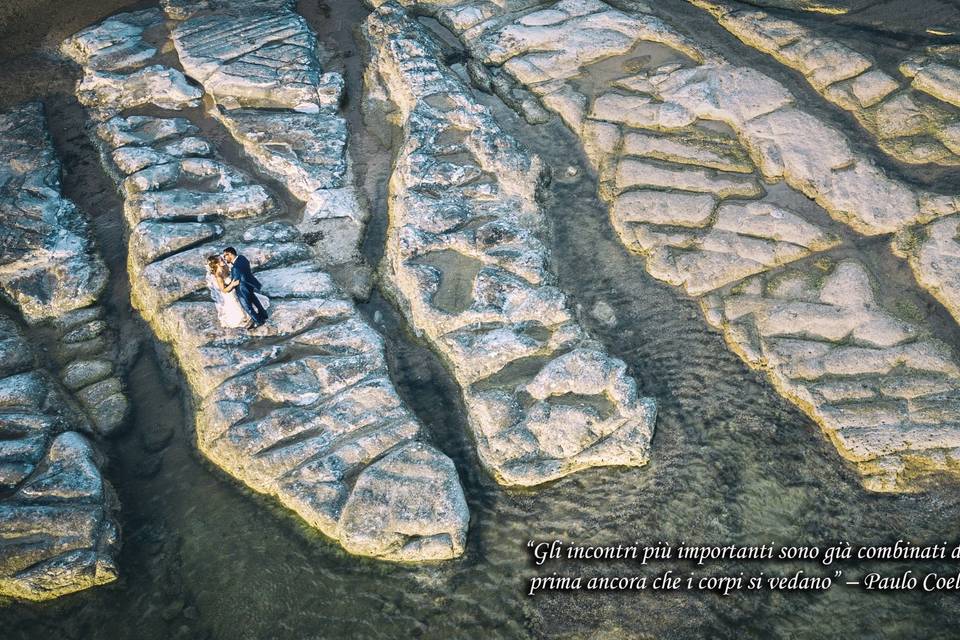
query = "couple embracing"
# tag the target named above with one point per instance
(235, 291)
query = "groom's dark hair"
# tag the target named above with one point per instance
(230, 250)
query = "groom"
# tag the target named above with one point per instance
(243, 280)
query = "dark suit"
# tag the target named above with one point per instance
(246, 290)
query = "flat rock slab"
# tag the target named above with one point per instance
(852, 81)
(883, 390)
(467, 264)
(58, 528)
(47, 262)
(301, 408)
(257, 59)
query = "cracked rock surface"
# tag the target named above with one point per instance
(260, 64)
(58, 529)
(700, 162)
(897, 111)
(302, 408)
(466, 261)
(49, 268)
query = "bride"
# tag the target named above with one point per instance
(229, 312)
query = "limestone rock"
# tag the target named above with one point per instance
(58, 530)
(263, 69)
(876, 383)
(154, 85)
(850, 80)
(47, 263)
(49, 267)
(466, 262)
(116, 44)
(302, 408)
(680, 139)
(253, 59)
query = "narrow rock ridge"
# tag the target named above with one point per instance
(49, 268)
(302, 408)
(259, 65)
(58, 529)
(466, 262)
(907, 124)
(688, 149)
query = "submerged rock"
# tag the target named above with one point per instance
(467, 264)
(885, 392)
(58, 529)
(301, 408)
(49, 267)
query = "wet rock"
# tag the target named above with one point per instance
(878, 384)
(414, 474)
(58, 530)
(49, 267)
(466, 263)
(678, 135)
(851, 80)
(301, 408)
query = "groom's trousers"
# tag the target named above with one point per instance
(250, 304)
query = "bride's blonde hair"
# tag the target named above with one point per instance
(213, 263)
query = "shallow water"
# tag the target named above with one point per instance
(731, 462)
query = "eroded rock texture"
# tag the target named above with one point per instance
(302, 408)
(49, 268)
(465, 260)
(260, 65)
(898, 111)
(702, 163)
(58, 530)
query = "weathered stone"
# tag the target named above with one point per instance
(933, 252)
(116, 44)
(253, 59)
(306, 152)
(49, 267)
(939, 80)
(157, 85)
(644, 122)
(58, 532)
(47, 262)
(632, 173)
(543, 400)
(850, 80)
(862, 373)
(270, 60)
(302, 408)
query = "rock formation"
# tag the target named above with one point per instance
(467, 264)
(908, 124)
(303, 408)
(58, 530)
(49, 268)
(689, 149)
(259, 64)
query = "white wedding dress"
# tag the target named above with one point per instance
(229, 312)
